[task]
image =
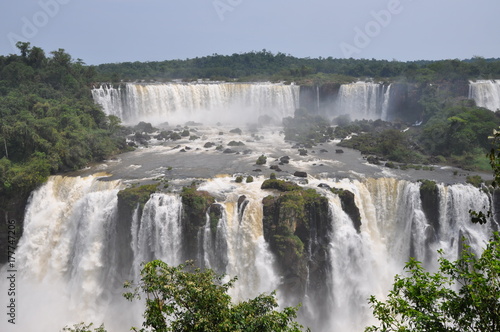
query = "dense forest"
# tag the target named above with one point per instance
(265, 65)
(48, 120)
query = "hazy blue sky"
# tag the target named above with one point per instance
(101, 31)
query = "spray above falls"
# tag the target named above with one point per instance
(207, 103)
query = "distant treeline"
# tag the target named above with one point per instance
(265, 65)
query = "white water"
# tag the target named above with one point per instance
(157, 235)
(363, 100)
(68, 253)
(206, 103)
(64, 258)
(365, 263)
(486, 93)
(386, 104)
(248, 255)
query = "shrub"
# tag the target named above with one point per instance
(475, 180)
(261, 160)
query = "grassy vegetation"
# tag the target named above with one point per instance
(137, 195)
(280, 185)
(261, 160)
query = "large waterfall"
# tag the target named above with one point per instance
(363, 100)
(486, 93)
(67, 257)
(200, 102)
(77, 247)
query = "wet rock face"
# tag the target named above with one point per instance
(195, 205)
(496, 209)
(242, 204)
(429, 195)
(285, 159)
(300, 174)
(11, 214)
(297, 227)
(349, 206)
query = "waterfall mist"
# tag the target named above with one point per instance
(73, 240)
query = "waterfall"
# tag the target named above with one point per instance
(486, 93)
(386, 104)
(207, 103)
(65, 256)
(214, 244)
(364, 263)
(394, 228)
(111, 99)
(69, 254)
(455, 203)
(247, 254)
(317, 99)
(158, 233)
(363, 100)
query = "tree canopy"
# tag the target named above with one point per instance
(265, 65)
(48, 119)
(188, 299)
(464, 295)
(185, 298)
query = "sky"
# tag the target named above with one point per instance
(110, 31)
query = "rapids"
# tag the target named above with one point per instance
(78, 246)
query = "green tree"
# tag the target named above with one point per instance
(185, 298)
(463, 295)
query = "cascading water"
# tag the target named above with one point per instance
(386, 104)
(247, 254)
(486, 93)
(67, 253)
(158, 233)
(394, 228)
(364, 263)
(214, 243)
(455, 203)
(71, 245)
(363, 100)
(208, 103)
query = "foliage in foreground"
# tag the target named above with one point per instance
(463, 295)
(185, 298)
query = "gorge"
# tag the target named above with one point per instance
(337, 238)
